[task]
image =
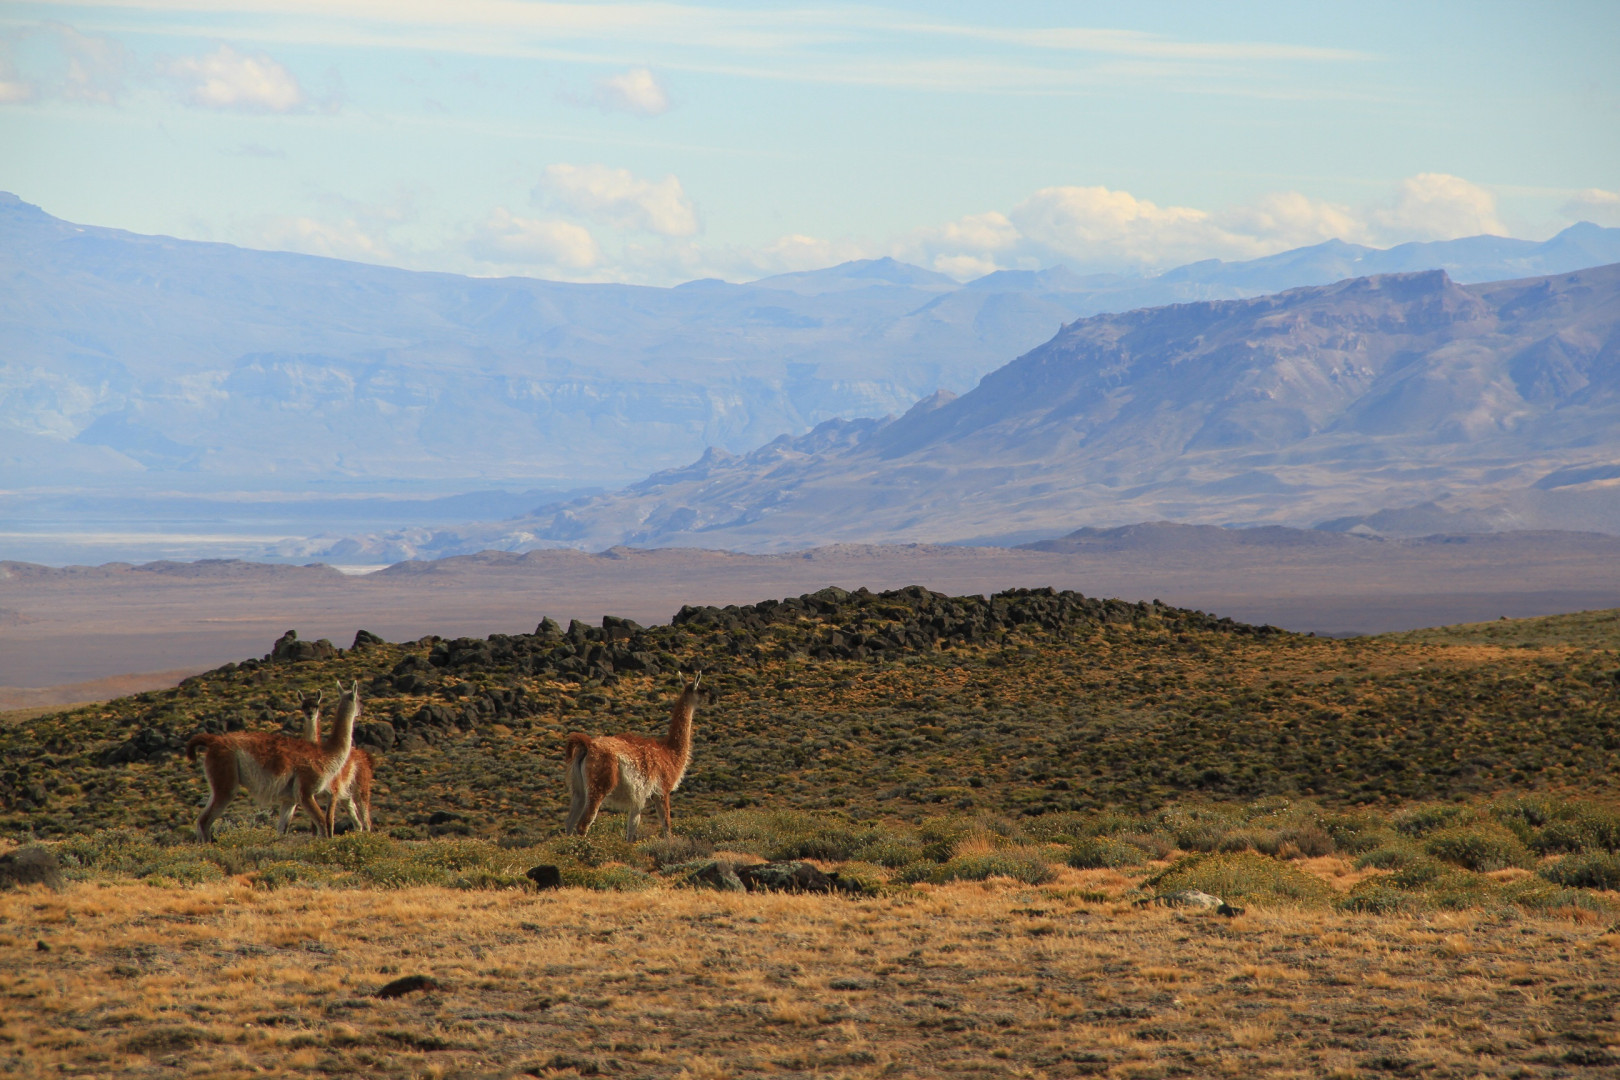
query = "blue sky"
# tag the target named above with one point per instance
(657, 143)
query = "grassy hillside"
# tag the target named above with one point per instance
(899, 705)
(1005, 789)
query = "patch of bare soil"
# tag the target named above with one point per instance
(26, 702)
(989, 979)
(85, 623)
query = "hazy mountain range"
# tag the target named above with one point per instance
(140, 362)
(202, 393)
(1399, 403)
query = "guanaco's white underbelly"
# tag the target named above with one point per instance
(633, 789)
(263, 786)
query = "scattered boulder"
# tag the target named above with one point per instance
(378, 734)
(1193, 898)
(32, 865)
(719, 875)
(409, 984)
(545, 877)
(790, 876)
(147, 744)
(365, 638)
(290, 650)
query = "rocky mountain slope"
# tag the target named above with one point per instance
(130, 361)
(1495, 404)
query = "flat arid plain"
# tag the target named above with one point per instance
(1016, 807)
(124, 628)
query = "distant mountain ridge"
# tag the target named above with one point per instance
(1494, 404)
(130, 360)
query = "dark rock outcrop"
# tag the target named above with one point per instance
(288, 649)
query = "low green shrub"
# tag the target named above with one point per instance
(893, 852)
(675, 851)
(1310, 841)
(1200, 836)
(1481, 847)
(1355, 834)
(862, 879)
(1154, 847)
(1244, 876)
(1585, 870)
(1375, 897)
(1099, 852)
(1021, 865)
(1391, 856)
(1426, 819)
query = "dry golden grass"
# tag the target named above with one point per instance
(995, 978)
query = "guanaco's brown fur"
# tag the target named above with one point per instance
(622, 772)
(277, 770)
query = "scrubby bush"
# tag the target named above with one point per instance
(1426, 819)
(891, 851)
(1481, 847)
(1391, 856)
(1355, 834)
(674, 851)
(1200, 836)
(1023, 865)
(1154, 847)
(1097, 852)
(1585, 870)
(861, 879)
(1375, 897)
(1309, 840)
(1244, 876)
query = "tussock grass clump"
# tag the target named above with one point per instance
(1246, 877)
(127, 853)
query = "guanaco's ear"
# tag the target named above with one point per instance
(696, 680)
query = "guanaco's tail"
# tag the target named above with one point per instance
(577, 744)
(202, 739)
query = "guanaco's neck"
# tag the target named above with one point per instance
(680, 723)
(312, 724)
(340, 740)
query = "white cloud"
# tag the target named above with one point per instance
(1096, 225)
(345, 239)
(636, 91)
(1438, 206)
(505, 239)
(14, 89)
(620, 198)
(227, 79)
(95, 66)
(1288, 220)
(1595, 205)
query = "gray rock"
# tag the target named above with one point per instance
(716, 875)
(1193, 898)
(790, 876)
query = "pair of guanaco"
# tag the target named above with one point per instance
(619, 772)
(286, 773)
